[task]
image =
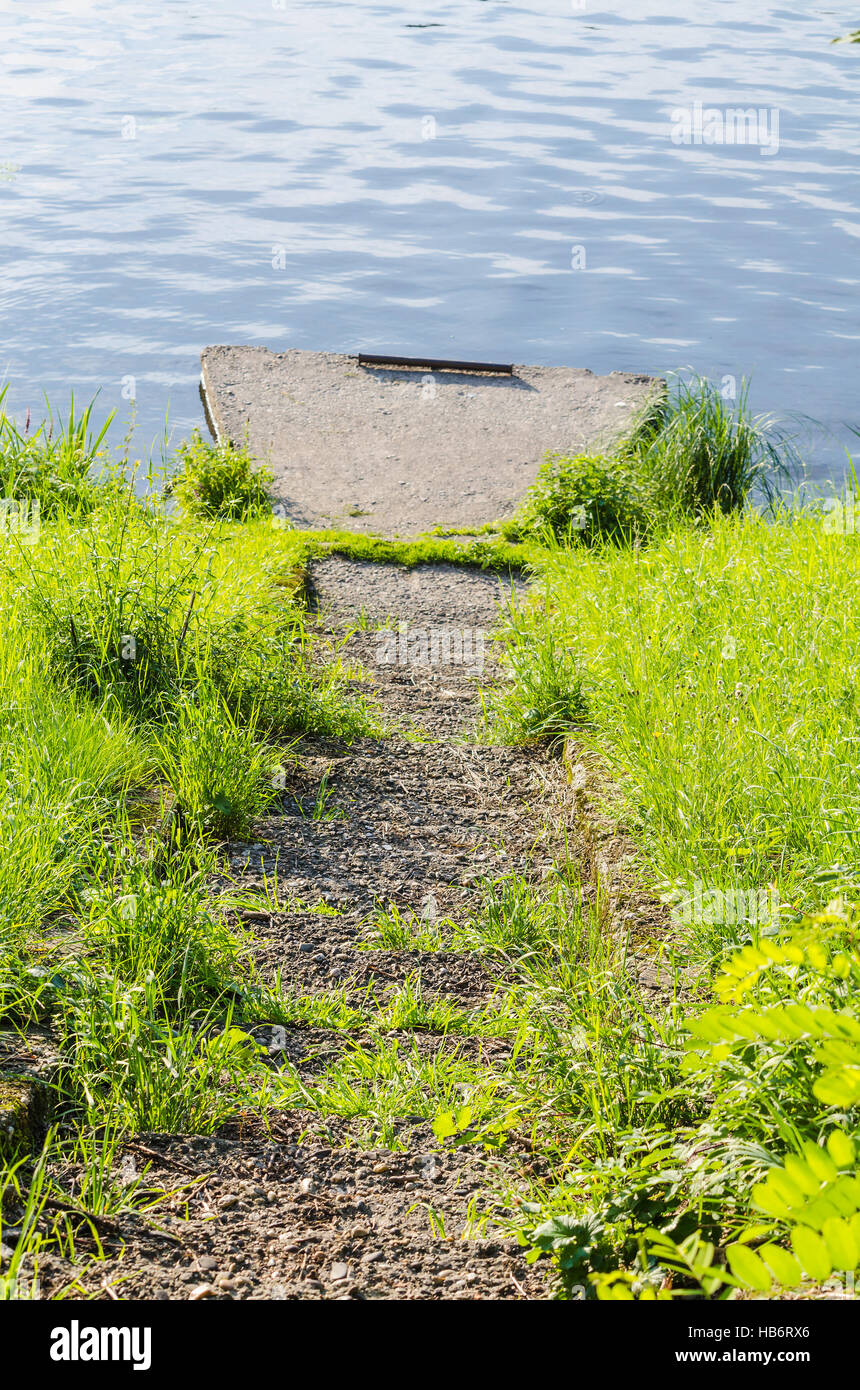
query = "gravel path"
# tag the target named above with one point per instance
(444, 596)
(312, 1205)
(310, 1208)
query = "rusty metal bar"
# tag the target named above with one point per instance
(433, 364)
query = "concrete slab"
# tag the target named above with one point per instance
(397, 451)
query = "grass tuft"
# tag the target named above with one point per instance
(220, 481)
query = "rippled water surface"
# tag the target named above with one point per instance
(470, 179)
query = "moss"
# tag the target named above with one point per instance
(490, 554)
(24, 1114)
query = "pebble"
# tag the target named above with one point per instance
(306, 946)
(308, 1185)
(339, 1271)
(201, 1291)
(206, 1263)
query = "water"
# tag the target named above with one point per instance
(476, 180)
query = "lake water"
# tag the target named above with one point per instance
(479, 179)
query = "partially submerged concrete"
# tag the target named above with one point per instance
(397, 451)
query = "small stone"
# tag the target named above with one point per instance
(380, 1168)
(339, 1271)
(202, 1291)
(227, 1202)
(207, 1263)
(372, 1256)
(308, 1185)
(306, 946)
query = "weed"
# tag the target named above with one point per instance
(216, 764)
(693, 452)
(220, 480)
(322, 809)
(60, 466)
(138, 1070)
(587, 498)
(545, 698)
(392, 930)
(164, 933)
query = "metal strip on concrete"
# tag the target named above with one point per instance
(397, 450)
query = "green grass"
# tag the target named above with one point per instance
(163, 933)
(693, 452)
(718, 669)
(145, 661)
(61, 465)
(712, 676)
(587, 498)
(140, 1070)
(134, 608)
(408, 1007)
(219, 480)
(687, 453)
(394, 1080)
(392, 930)
(223, 774)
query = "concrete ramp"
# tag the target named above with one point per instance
(397, 450)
